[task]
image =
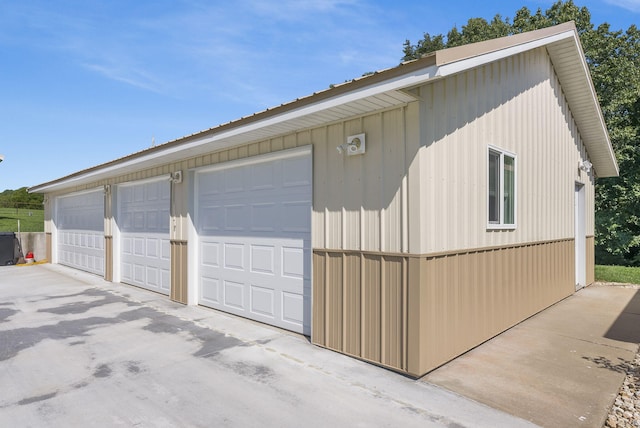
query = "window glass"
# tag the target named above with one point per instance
(494, 187)
(509, 190)
(501, 189)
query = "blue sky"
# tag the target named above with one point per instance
(83, 82)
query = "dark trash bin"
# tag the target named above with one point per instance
(8, 248)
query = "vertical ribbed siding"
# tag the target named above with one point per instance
(515, 104)
(358, 201)
(351, 310)
(49, 244)
(471, 297)
(108, 258)
(591, 260)
(179, 272)
(393, 311)
(371, 321)
(334, 302)
(414, 313)
(318, 321)
(359, 305)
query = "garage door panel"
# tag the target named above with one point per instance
(143, 217)
(265, 217)
(166, 280)
(263, 176)
(298, 219)
(263, 301)
(234, 294)
(153, 276)
(262, 259)
(153, 247)
(293, 262)
(234, 180)
(255, 234)
(292, 308)
(234, 256)
(236, 219)
(80, 231)
(210, 290)
(210, 254)
(296, 172)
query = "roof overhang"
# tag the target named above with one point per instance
(383, 90)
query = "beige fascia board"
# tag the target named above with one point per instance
(543, 36)
(453, 67)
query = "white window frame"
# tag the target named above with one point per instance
(501, 224)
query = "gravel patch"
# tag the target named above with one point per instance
(625, 412)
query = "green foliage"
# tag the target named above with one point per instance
(614, 61)
(20, 198)
(621, 274)
(31, 220)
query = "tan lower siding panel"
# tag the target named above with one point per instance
(334, 302)
(108, 258)
(591, 260)
(179, 278)
(392, 312)
(319, 301)
(371, 313)
(352, 305)
(49, 241)
(475, 296)
(414, 313)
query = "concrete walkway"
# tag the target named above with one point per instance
(560, 368)
(79, 351)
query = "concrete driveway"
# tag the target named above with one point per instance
(560, 368)
(78, 351)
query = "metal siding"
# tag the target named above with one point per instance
(352, 189)
(179, 284)
(358, 199)
(320, 188)
(108, 258)
(318, 325)
(590, 260)
(393, 312)
(336, 170)
(352, 305)
(414, 313)
(49, 246)
(334, 301)
(516, 104)
(473, 296)
(371, 311)
(392, 172)
(372, 179)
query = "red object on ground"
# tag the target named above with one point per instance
(29, 255)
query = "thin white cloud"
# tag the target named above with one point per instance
(261, 52)
(630, 5)
(129, 75)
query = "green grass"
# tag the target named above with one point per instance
(623, 274)
(28, 223)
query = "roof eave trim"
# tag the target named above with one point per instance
(414, 77)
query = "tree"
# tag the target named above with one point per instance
(614, 62)
(20, 198)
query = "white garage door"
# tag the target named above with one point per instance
(143, 219)
(254, 227)
(80, 227)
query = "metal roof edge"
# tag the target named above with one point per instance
(440, 63)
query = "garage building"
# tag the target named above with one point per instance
(401, 218)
